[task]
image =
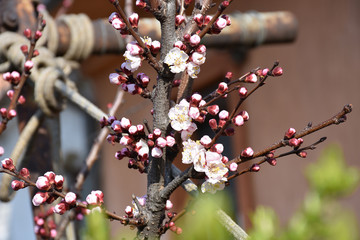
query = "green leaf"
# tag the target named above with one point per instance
(97, 227)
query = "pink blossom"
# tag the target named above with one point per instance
(251, 78)
(278, 71)
(129, 211)
(294, 142)
(245, 115)
(213, 109)
(125, 123)
(60, 208)
(161, 142)
(179, 117)
(194, 112)
(255, 168)
(134, 48)
(170, 141)
(157, 132)
(219, 148)
(113, 16)
(118, 24)
(125, 140)
(248, 152)
(196, 98)
(290, 133)
(114, 78)
(220, 23)
(238, 120)
(133, 130)
(242, 92)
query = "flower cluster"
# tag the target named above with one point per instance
(44, 225)
(44, 183)
(217, 26)
(178, 60)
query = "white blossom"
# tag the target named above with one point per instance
(193, 152)
(176, 59)
(132, 63)
(212, 187)
(198, 58)
(186, 134)
(193, 70)
(215, 169)
(179, 116)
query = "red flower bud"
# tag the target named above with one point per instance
(278, 71)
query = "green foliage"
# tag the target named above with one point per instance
(97, 227)
(202, 222)
(320, 217)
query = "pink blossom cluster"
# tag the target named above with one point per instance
(217, 26)
(44, 225)
(44, 183)
(12, 77)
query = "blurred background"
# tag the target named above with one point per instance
(320, 77)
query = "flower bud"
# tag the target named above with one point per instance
(126, 140)
(179, 19)
(170, 141)
(195, 99)
(213, 124)
(255, 168)
(42, 183)
(207, 19)
(271, 161)
(39, 198)
(61, 208)
(219, 148)
(160, 142)
(3, 112)
(194, 40)
(129, 211)
(238, 120)
(168, 205)
(155, 47)
(224, 115)
(248, 152)
(303, 154)
(125, 123)
(15, 77)
(11, 114)
(220, 23)
(21, 99)
(28, 65)
(245, 115)
(251, 78)
(290, 133)
(8, 164)
(294, 142)
(233, 167)
(199, 19)
(278, 71)
(213, 109)
(38, 34)
(224, 159)
(59, 181)
(112, 16)
(194, 112)
(156, 152)
(229, 132)
(27, 33)
(70, 198)
(201, 49)
(118, 24)
(2, 151)
(222, 123)
(222, 88)
(24, 49)
(24, 172)
(187, 37)
(16, 185)
(50, 176)
(157, 133)
(242, 92)
(140, 3)
(134, 20)
(205, 141)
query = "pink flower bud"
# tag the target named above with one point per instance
(161, 142)
(222, 88)
(112, 16)
(242, 92)
(133, 130)
(118, 24)
(114, 78)
(248, 152)
(224, 159)
(53, 233)
(38, 34)
(278, 71)
(222, 123)
(255, 168)
(39, 198)
(201, 49)
(2, 151)
(233, 167)
(238, 120)
(134, 20)
(207, 19)
(245, 115)
(7, 76)
(24, 49)
(36, 53)
(179, 19)
(11, 114)
(290, 133)
(125, 123)
(50, 176)
(21, 99)
(15, 77)
(59, 181)
(196, 98)
(27, 33)
(3, 112)
(16, 185)
(116, 126)
(70, 198)
(251, 78)
(229, 132)
(155, 47)
(157, 133)
(220, 23)
(219, 148)
(178, 44)
(213, 109)
(140, 3)
(194, 112)
(205, 141)
(271, 161)
(294, 142)
(194, 40)
(24, 172)
(129, 211)
(213, 124)
(168, 205)
(7, 163)
(28, 65)
(199, 19)
(10, 93)
(224, 115)
(156, 152)
(61, 208)
(187, 37)
(227, 18)
(303, 154)
(264, 72)
(42, 183)
(170, 141)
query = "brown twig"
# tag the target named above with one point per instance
(337, 119)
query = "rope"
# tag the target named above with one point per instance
(10, 44)
(252, 26)
(82, 36)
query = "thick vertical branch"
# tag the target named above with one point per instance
(155, 204)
